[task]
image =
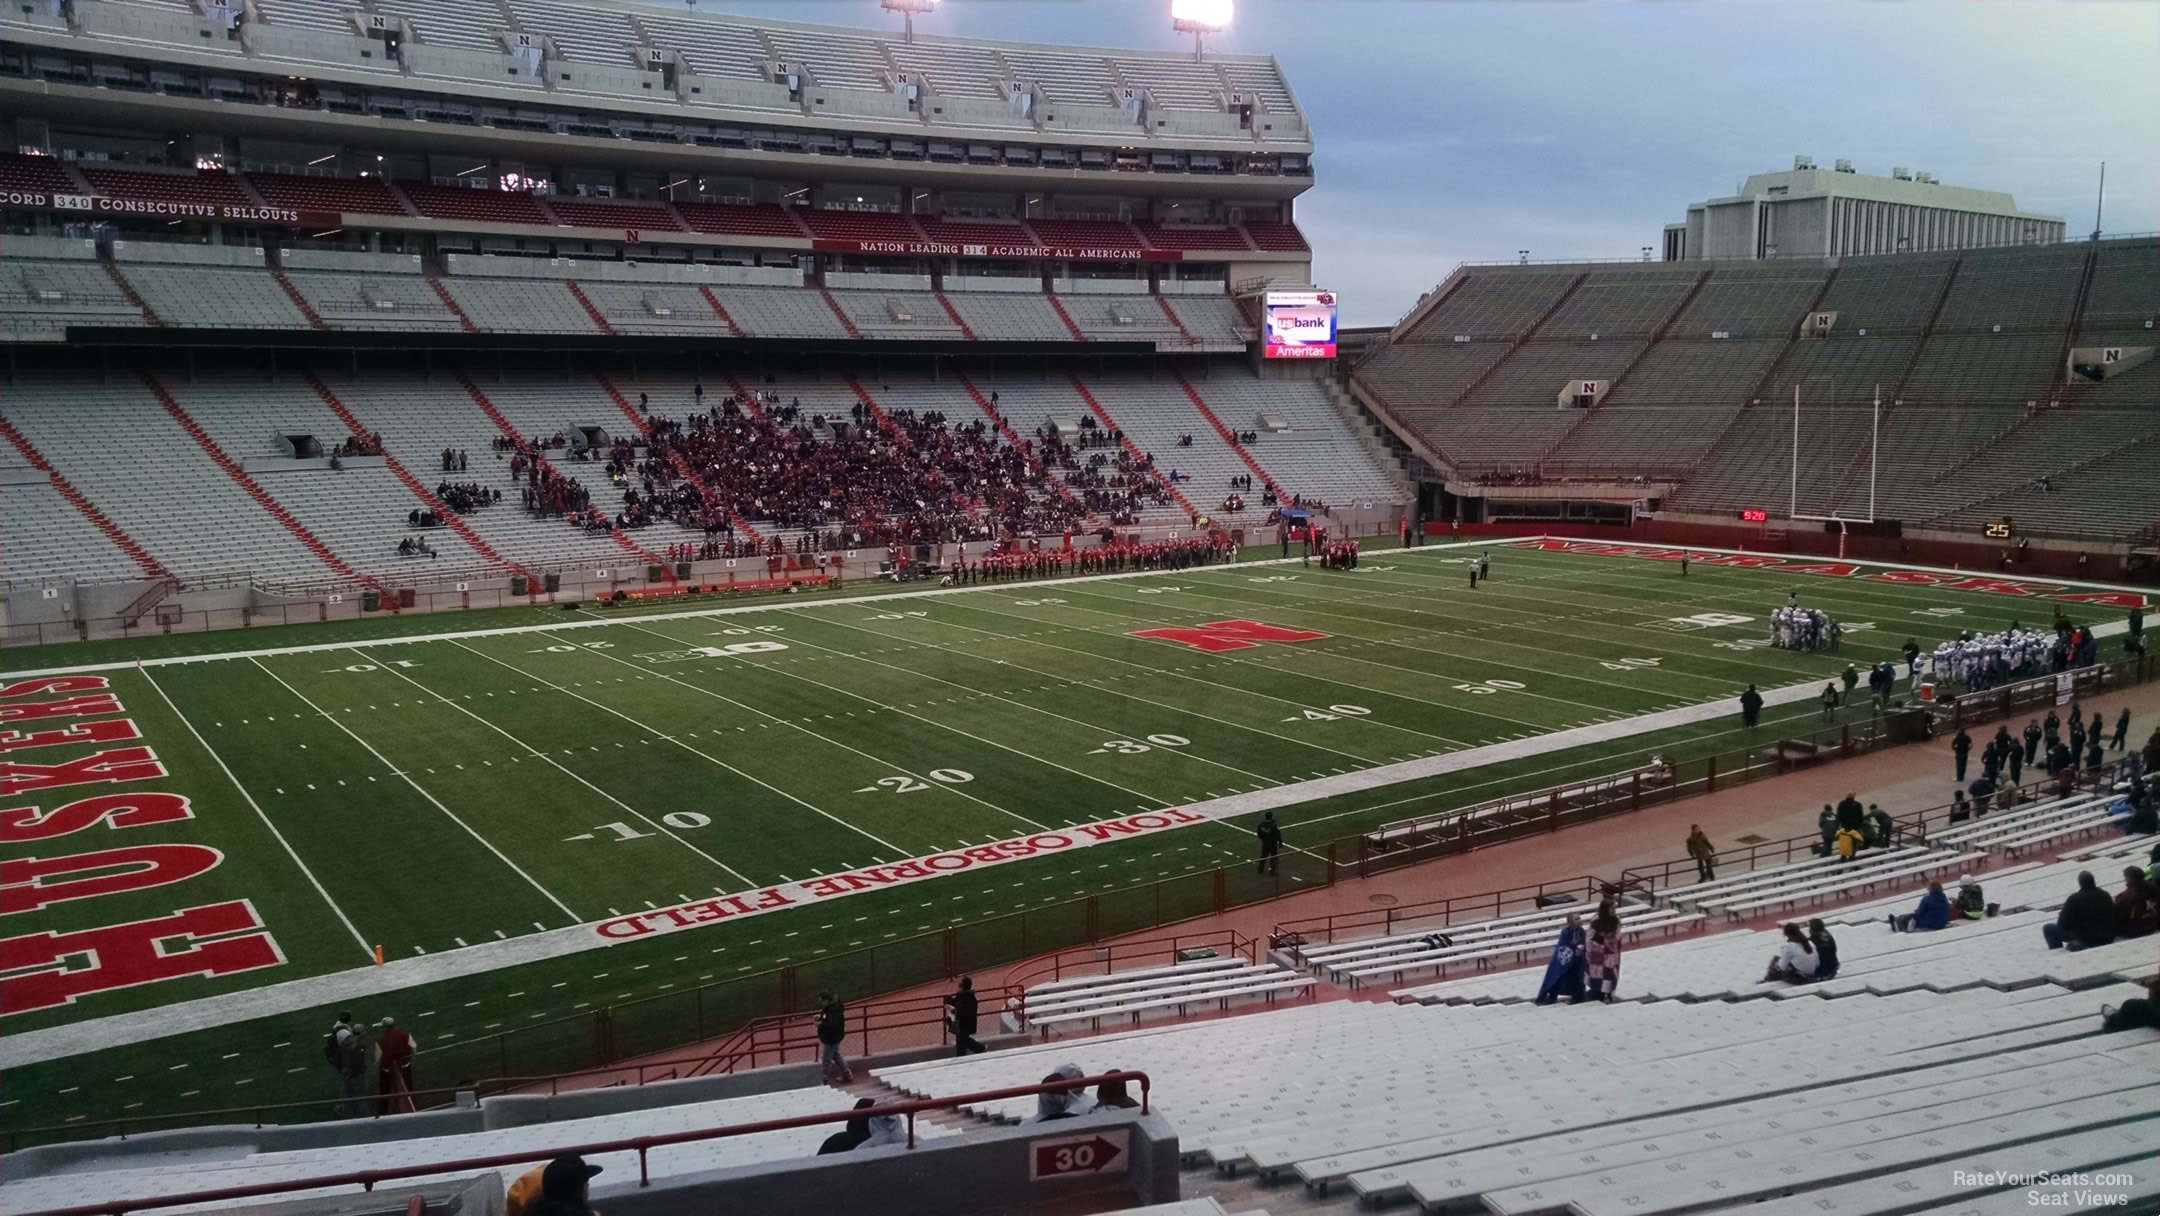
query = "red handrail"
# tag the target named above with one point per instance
(1107, 955)
(642, 1145)
(1487, 904)
(1911, 825)
(780, 1033)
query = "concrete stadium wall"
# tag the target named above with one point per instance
(983, 1172)
(2048, 559)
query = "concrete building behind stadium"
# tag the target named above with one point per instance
(1808, 212)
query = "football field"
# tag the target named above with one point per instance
(533, 820)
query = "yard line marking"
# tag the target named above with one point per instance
(724, 764)
(1180, 673)
(1271, 665)
(485, 843)
(908, 769)
(663, 829)
(283, 843)
(1310, 604)
(1113, 731)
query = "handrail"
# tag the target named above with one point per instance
(1055, 966)
(367, 1180)
(1626, 783)
(1911, 825)
(782, 1032)
(1326, 927)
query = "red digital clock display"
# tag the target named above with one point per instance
(1753, 516)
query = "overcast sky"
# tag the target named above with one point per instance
(1454, 130)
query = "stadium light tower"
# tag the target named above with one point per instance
(1200, 18)
(907, 10)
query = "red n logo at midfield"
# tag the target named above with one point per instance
(1218, 636)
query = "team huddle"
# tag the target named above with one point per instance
(2014, 654)
(1795, 628)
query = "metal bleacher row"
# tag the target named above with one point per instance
(1967, 353)
(115, 443)
(1703, 1087)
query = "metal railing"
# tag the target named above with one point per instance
(1088, 959)
(1453, 909)
(1910, 827)
(368, 1180)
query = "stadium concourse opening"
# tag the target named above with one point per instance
(606, 606)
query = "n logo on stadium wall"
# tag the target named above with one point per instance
(1215, 637)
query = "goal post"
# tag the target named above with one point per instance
(1837, 515)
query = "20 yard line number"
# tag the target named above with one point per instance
(903, 784)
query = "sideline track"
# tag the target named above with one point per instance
(78, 1038)
(591, 620)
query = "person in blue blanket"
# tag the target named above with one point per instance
(1930, 914)
(1564, 974)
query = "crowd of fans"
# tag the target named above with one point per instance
(846, 482)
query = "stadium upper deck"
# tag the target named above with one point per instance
(549, 128)
(602, 101)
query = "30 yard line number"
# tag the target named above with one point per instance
(1133, 747)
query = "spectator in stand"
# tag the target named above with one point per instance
(561, 1186)
(1076, 1100)
(347, 1050)
(1880, 830)
(884, 1130)
(1851, 815)
(1825, 945)
(2137, 908)
(1111, 1095)
(1704, 854)
(394, 1051)
(1564, 970)
(1930, 914)
(2087, 918)
(964, 1018)
(2137, 1013)
(1971, 901)
(831, 1032)
(1826, 823)
(1601, 955)
(1795, 961)
(1052, 1103)
(853, 1134)
(1960, 809)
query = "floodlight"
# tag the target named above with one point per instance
(1208, 15)
(907, 10)
(1200, 18)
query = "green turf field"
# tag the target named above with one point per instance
(534, 774)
